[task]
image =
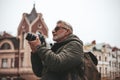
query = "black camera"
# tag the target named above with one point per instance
(32, 37)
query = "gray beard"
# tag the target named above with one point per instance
(59, 37)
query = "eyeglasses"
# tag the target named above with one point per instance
(58, 28)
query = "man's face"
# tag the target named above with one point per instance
(59, 33)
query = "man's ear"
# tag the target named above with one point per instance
(67, 32)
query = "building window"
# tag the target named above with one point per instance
(110, 63)
(106, 71)
(4, 63)
(100, 58)
(5, 46)
(22, 59)
(12, 63)
(105, 58)
(39, 26)
(115, 64)
(100, 69)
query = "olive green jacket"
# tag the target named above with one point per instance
(61, 62)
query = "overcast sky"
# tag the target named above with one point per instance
(91, 19)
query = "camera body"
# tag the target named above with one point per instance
(32, 37)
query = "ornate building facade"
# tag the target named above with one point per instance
(15, 51)
(108, 59)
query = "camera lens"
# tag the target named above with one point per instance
(30, 37)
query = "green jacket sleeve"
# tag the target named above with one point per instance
(69, 57)
(37, 66)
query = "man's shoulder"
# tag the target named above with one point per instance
(75, 38)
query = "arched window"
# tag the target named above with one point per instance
(6, 46)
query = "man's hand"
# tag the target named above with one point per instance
(34, 44)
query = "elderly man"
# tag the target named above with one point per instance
(64, 61)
